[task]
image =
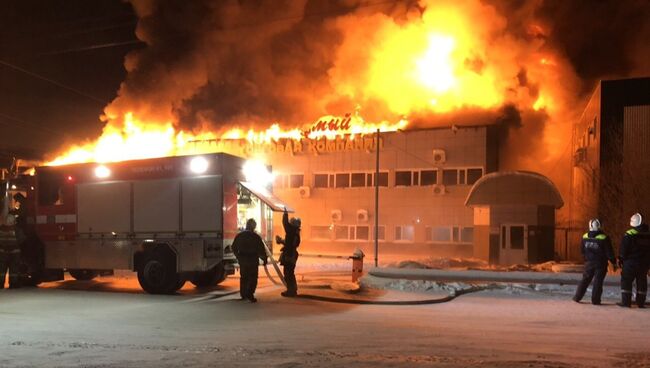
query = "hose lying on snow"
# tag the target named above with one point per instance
(444, 299)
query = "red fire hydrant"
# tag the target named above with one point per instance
(357, 264)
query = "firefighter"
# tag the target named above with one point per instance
(597, 249)
(10, 250)
(634, 256)
(248, 247)
(289, 252)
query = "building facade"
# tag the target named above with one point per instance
(425, 177)
(611, 161)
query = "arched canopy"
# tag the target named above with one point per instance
(514, 188)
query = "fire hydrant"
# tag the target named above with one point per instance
(357, 264)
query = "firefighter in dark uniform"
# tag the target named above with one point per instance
(597, 250)
(10, 250)
(289, 252)
(634, 255)
(248, 247)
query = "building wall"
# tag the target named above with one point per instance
(422, 214)
(609, 178)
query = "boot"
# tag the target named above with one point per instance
(626, 300)
(640, 300)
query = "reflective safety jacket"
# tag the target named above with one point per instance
(597, 248)
(635, 246)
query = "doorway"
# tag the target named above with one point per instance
(514, 244)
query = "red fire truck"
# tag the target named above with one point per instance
(169, 219)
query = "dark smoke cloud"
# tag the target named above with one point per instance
(601, 39)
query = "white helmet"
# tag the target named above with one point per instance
(636, 220)
(594, 225)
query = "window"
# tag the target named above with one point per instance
(50, 188)
(331, 181)
(383, 179)
(450, 177)
(363, 232)
(428, 177)
(473, 175)
(320, 180)
(321, 233)
(516, 237)
(402, 178)
(455, 234)
(404, 233)
(467, 235)
(461, 177)
(381, 233)
(441, 234)
(296, 180)
(341, 232)
(358, 180)
(342, 180)
(280, 181)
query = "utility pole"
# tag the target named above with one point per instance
(377, 199)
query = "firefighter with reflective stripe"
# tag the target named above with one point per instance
(10, 248)
(289, 252)
(634, 255)
(248, 247)
(597, 250)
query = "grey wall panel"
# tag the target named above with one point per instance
(156, 205)
(103, 207)
(202, 204)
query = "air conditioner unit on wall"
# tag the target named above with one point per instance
(362, 215)
(336, 215)
(305, 192)
(439, 156)
(439, 189)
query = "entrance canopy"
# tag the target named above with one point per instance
(514, 188)
(266, 196)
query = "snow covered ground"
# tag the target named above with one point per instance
(111, 323)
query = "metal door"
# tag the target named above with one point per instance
(514, 244)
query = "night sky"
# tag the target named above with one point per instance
(73, 43)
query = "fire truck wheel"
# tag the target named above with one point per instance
(156, 275)
(210, 278)
(83, 275)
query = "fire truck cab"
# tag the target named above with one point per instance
(170, 219)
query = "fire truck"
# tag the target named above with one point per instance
(170, 219)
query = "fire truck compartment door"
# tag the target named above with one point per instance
(104, 207)
(266, 196)
(202, 204)
(156, 205)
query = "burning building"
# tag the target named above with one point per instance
(611, 158)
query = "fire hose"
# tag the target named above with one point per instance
(453, 295)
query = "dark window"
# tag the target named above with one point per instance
(428, 177)
(416, 178)
(461, 176)
(516, 237)
(320, 181)
(331, 181)
(403, 178)
(467, 235)
(473, 175)
(455, 234)
(296, 181)
(449, 177)
(503, 237)
(358, 179)
(342, 180)
(369, 180)
(383, 179)
(50, 188)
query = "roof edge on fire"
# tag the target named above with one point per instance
(514, 187)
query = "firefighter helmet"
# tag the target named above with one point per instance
(295, 221)
(636, 220)
(594, 225)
